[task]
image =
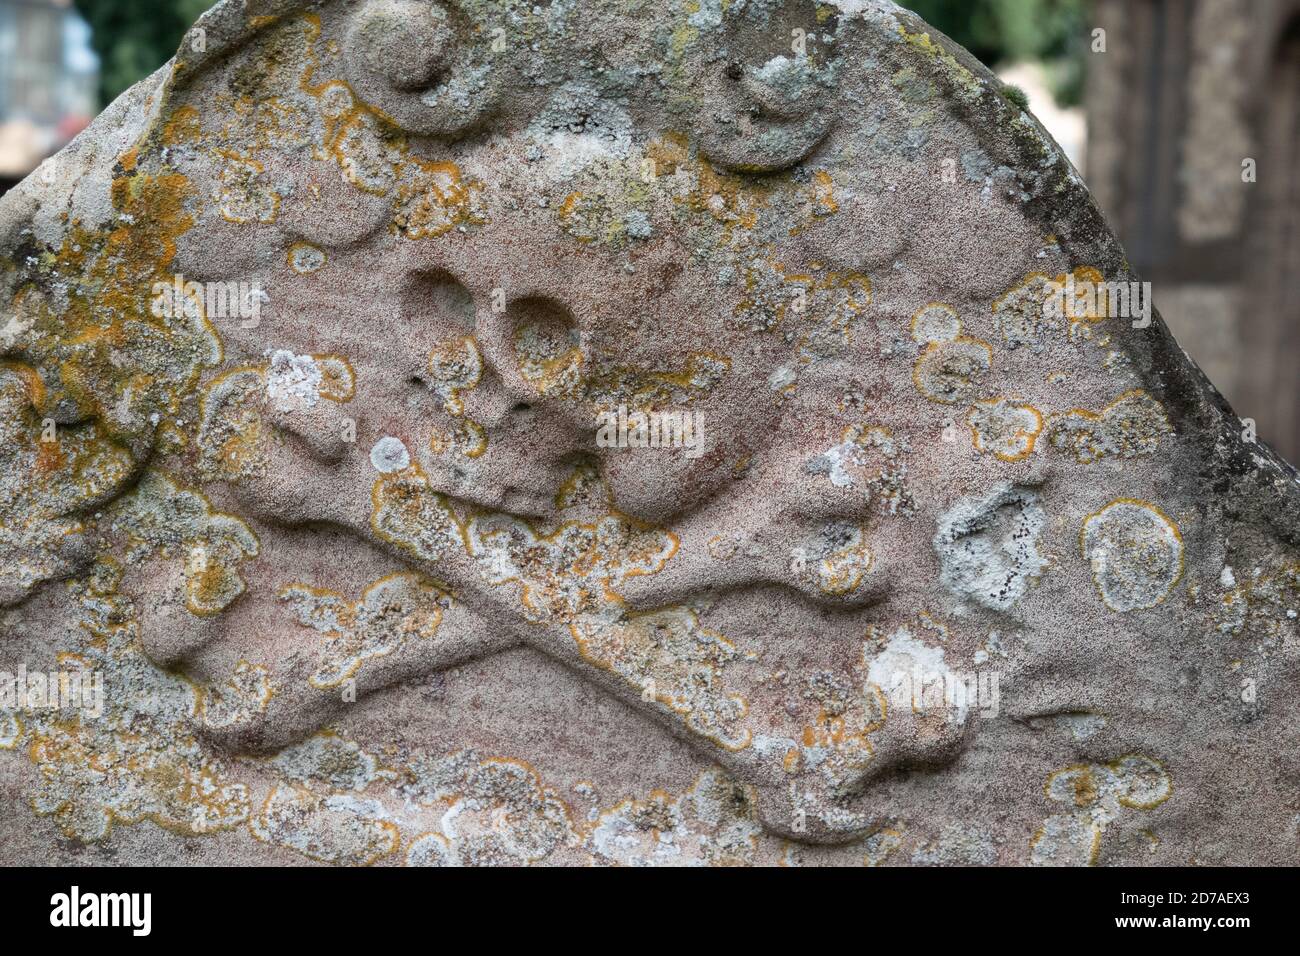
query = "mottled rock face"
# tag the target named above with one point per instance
(616, 432)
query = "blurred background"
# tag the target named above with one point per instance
(1182, 115)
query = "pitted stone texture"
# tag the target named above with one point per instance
(364, 587)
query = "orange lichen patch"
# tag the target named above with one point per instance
(409, 514)
(390, 612)
(950, 372)
(181, 127)
(715, 820)
(1076, 784)
(839, 738)
(1098, 794)
(465, 437)
(430, 198)
(159, 516)
(549, 357)
(1265, 604)
(47, 486)
(337, 380)
(1087, 306)
(1135, 551)
(823, 194)
(840, 559)
(583, 217)
(1040, 303)
(817, 201)
(328, 828)
(647, 389)
(242, 196)
(89, 789)
(455, 367)
(234, 437)
(99, 344)
(935, 322)
(675, 661)
(822, 305)
(1129, 427)
(1006, 429)
(435, 200)
(298, 105)
(502, 813)
(880, 845)
(835, 744)
(731, 200)
(304, 258)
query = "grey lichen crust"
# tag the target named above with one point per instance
(364, 587)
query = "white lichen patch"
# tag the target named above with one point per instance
(493, 812)
(293, 382)
(988, 547)
(714, 823)
(390, 613)
(911, 674)
(331, 828)
(1135, 552)
(868, 450)
(140, 758)
(958, 845)
(330, 760)
(240, 699)
(935, 322)
(389, 455)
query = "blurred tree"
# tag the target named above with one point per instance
(133, 39)
(1007, 31)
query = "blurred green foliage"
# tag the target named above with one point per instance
(1007, 31)
(134, 38)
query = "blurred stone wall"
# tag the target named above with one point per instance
(1185, 92)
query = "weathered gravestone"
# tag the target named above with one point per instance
(616, 432)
